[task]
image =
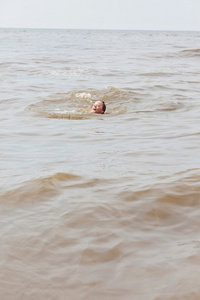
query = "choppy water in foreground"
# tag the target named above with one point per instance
(99, 206)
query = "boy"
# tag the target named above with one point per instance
(99, 107)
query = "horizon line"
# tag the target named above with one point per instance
(103, 29)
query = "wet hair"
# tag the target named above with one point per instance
(103, 106)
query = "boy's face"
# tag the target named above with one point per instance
(97, 108)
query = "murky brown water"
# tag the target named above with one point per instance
(99, 206)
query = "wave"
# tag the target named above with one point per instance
(39, 189)
(76, 104)
(191, 52)
(179, 190)
(51, 187)
(157, 74)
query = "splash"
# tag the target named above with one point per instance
(77, 104)
(83, 95)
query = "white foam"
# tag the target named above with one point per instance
(83, 95)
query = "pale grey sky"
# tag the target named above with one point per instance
(101, 14)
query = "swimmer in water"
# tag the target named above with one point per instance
(99, 107)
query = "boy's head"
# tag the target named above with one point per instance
(99, 107)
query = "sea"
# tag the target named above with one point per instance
(99, 207)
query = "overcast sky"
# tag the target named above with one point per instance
(101, 14)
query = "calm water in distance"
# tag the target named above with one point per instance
(99, 206)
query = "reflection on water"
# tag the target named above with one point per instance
(99, 206)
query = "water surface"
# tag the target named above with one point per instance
(99, 206)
